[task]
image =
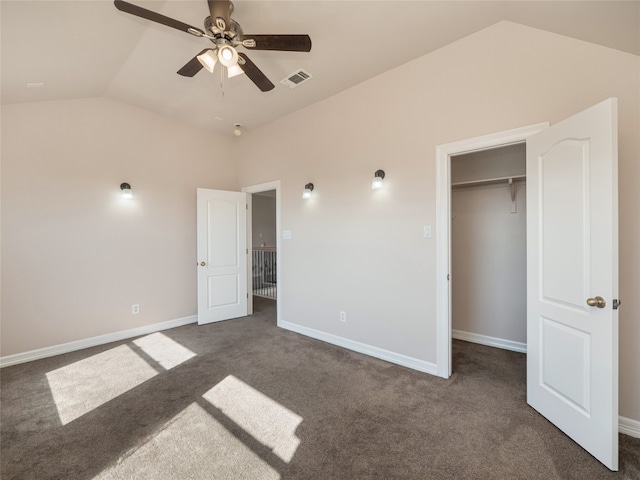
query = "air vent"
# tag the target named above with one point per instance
(297, 78)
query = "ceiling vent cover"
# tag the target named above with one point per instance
(296, 78)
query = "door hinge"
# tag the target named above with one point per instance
(616, 303)
(447, 277)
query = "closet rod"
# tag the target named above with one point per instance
(490, 180)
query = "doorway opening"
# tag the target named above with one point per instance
(489, 247)
(263, 245)
(264, 276)
(444, 268)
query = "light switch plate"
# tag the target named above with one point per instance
(286, 234)
(427, 231)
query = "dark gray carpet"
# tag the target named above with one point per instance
(244, 399)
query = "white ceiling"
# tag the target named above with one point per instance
(88, 48)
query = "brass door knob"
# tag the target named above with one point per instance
(596, 302)
(202, 264)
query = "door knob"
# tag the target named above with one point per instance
(202, 264)
(596, 302)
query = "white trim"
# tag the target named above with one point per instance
(489, 341)
(443, 226)
(264, 187)
(628, 426)
(94, 341)
(370, 350)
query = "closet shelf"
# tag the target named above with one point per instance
(511, 181)
(488, 181)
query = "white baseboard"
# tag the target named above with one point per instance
(372, 351)
(628, 426)
(93, 341)
(489, 341)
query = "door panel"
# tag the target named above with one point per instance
(564, 222)
(222, 255)
(572, 256)
(569, 347)
(222, 249)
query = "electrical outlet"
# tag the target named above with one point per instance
(135, 309)
(343, 316)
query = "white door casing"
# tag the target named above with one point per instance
(222, 255)
(252, 189)
(443, 226)
(572, 256)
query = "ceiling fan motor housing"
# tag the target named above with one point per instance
(230, 35)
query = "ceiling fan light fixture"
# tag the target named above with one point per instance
(227, 56)
(226, 34)
(208, 60)
(234, 70)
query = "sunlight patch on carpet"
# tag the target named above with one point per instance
(164, 350)
(262, 417)
(85, 385)
(191, 445)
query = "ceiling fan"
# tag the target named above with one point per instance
(226, 36)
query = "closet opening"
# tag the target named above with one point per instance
(488, 247)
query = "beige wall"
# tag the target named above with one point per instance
(362, 251)
(75, 256)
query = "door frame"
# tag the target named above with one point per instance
(444, 153)
(264, 187)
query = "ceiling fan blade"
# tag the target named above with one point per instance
(287, 43)
(220, 9)
(193, 66)
(156, 17)
(254, 73)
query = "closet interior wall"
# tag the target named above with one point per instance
(488, 242)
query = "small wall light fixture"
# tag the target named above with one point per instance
(126, 190)
(376, 183)
(237, 129)
(308, 188)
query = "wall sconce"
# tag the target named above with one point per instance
(237, 129)
(126, 190)
(376, 183)
(308, 188)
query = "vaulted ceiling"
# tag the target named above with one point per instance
(86, 48)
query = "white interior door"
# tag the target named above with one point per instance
(222, 255)
(572, 278)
